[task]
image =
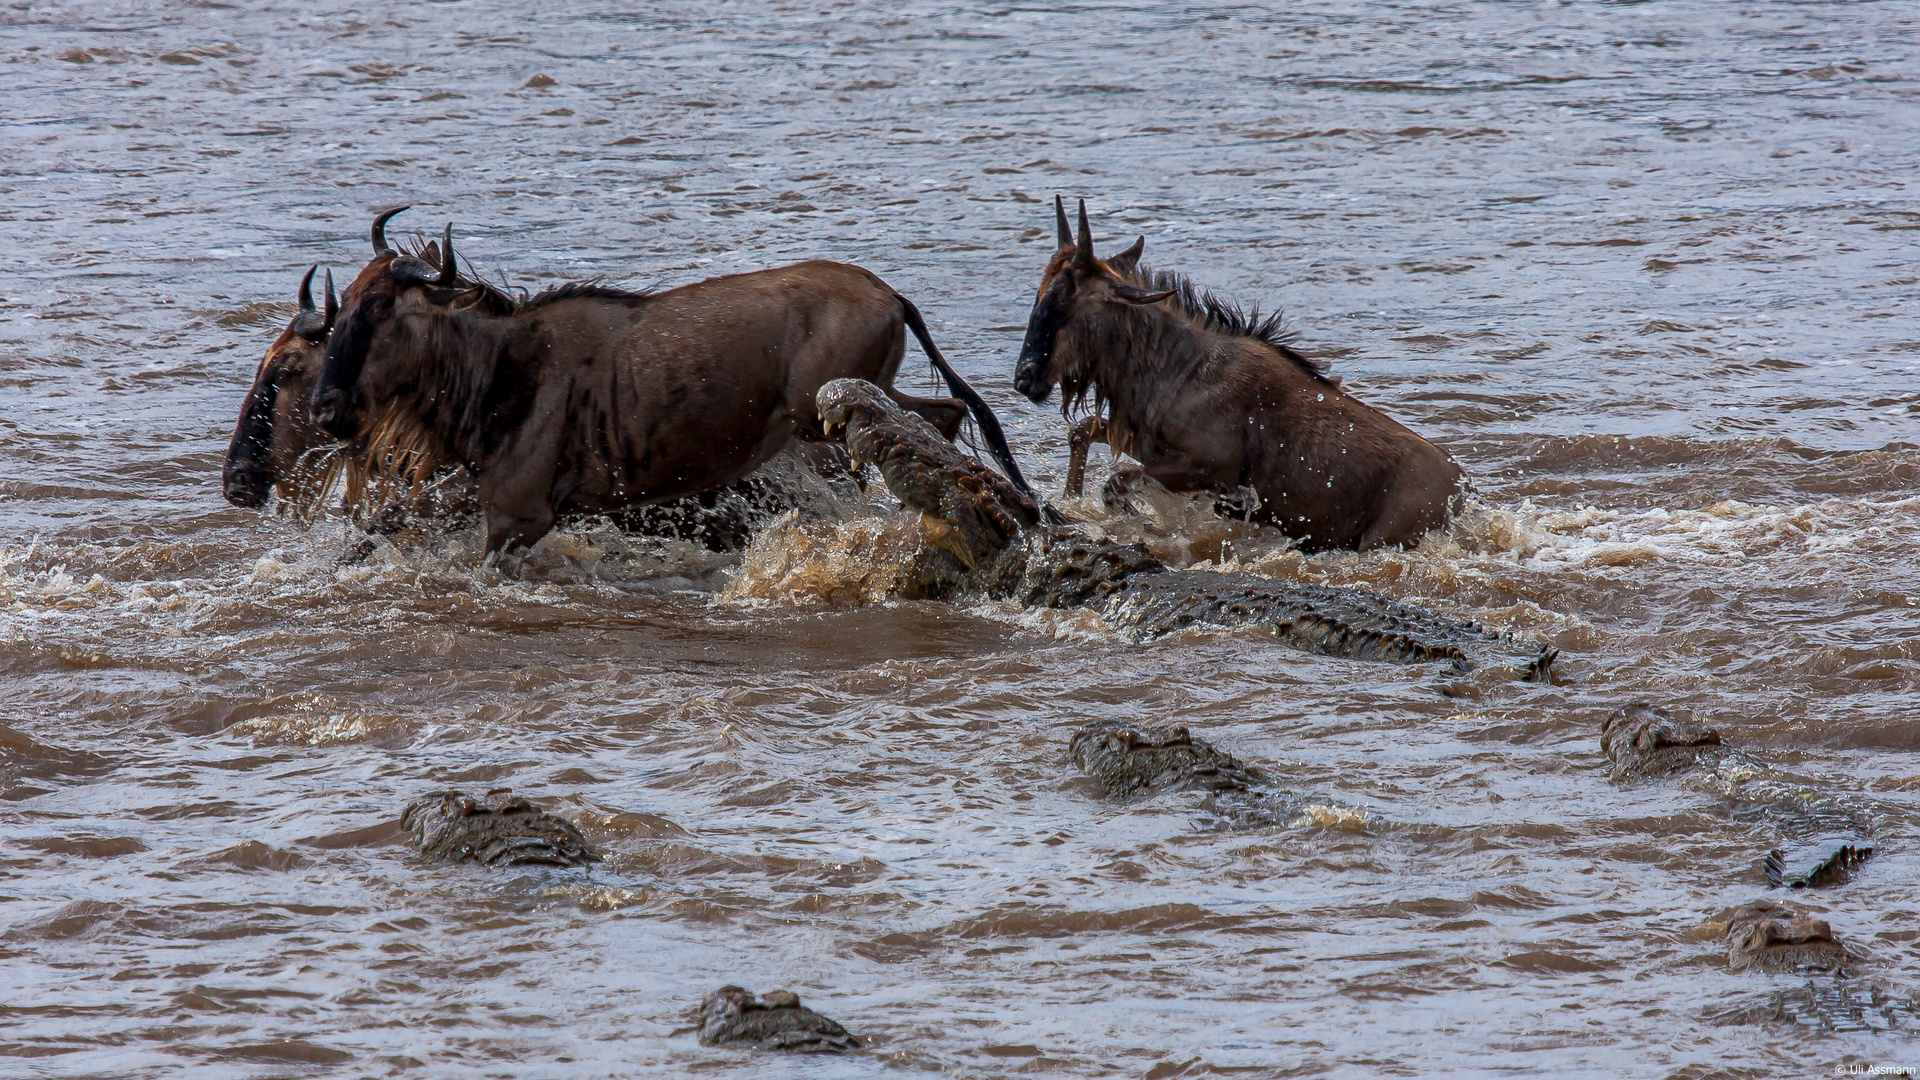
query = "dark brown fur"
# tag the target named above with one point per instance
(391, 479)
(587, 398)
(1210, 398)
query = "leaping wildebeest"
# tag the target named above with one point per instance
(1210, 398)
(390, 481)
(590, 398)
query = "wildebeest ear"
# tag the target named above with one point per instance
(432, 253)
(1126, 261)
(1134, 295)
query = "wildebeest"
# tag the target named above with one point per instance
(391, 485)
(392, 482)
(277, 446)
(1208, 397)
(590, 398)
(275, 437)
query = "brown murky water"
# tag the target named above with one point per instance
(1646, 269)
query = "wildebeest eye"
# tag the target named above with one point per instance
(1059, 299)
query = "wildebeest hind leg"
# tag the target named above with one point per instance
(945, 414)
(1411, 511)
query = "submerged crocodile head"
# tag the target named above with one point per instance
(1767, 936)
(497, 829)
(1644, 740)
(1138, 759)
(774, 1021)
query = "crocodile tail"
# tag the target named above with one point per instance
(1541, 669)
(982, 415)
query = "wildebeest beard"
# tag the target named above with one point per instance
(277, 447)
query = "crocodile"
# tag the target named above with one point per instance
(497, 829)
(1762, 935)
(1777, 939)
(985, 536)
(1132, 761)
(1818, 839)
(733, 1016)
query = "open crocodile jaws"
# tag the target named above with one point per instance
(991, 541)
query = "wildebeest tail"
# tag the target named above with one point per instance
(982, 415)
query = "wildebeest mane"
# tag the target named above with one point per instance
(506, 299)
(458, 385)
(1224, 316)
(511, 300)
(1214, 313)
(592, 289)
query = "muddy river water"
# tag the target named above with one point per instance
(1646, 270)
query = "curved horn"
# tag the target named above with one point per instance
(1083, 246)
(1133, 294)
(1060, 221)
(380, 230)
(333, 302)
(448, 275)
(306, 288)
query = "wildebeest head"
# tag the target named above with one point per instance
(393, 284)
(274, 431)
(1077, 287)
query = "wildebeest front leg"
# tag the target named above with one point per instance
(1175, 472)
(520, 509)
(450, 498)
(1087, 432)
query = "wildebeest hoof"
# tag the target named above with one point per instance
(1241, 503)
(1766, 936)
(732, 1016)
(497, 829)
(356, 554)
